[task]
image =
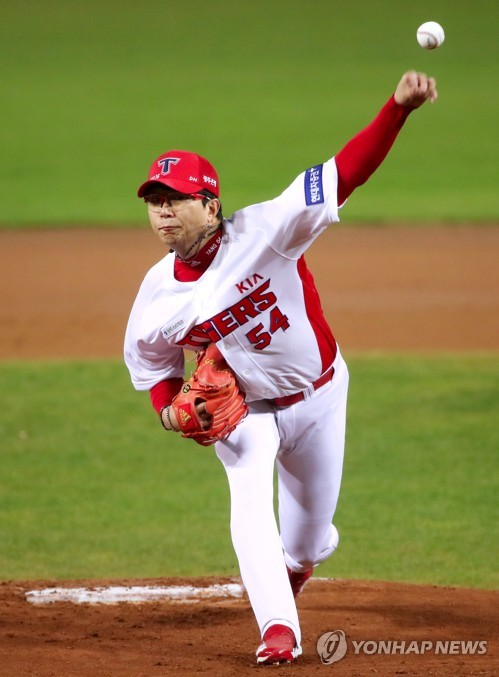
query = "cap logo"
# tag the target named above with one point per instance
(166, 162)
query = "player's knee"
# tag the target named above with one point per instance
(310, 552)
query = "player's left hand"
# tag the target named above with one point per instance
(210, 404)
(416, 88)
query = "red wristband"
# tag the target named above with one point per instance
(163, 392)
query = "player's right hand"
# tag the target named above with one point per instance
(416, 88)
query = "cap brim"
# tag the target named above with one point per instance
(186, 187)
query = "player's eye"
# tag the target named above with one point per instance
(155, 200)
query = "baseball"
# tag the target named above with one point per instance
(430, 35)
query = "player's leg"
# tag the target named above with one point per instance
(309, 469)
(248, 456)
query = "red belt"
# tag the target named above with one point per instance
(298, 397)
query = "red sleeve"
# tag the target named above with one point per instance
(163, 392)
(366, 151)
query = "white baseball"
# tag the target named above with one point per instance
(430, 35)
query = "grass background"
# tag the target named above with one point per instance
(92, 92)
(91, 485)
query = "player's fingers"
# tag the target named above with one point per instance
(406, 87)
(203, 414)
(426, 88)
(422, 84)
(432, 90)
(415, 88)
(411, 79)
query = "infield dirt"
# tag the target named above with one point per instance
(67, 294)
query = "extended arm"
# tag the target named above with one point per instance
(366, 151)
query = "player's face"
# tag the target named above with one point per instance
(179, 219)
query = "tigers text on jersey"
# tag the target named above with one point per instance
(257, 300)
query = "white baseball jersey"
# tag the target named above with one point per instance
(256, 300)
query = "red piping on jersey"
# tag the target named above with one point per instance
(323, 334)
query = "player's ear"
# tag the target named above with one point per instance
(213, 209)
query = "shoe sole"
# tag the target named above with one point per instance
(268, 660)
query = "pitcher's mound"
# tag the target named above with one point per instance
(206, 627)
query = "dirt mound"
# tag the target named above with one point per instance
(390, 628)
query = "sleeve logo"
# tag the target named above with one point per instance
(169, 329)
(314, 192)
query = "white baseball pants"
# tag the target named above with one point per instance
(305, 443)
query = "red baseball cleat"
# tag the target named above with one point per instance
(298, 580)
(278, 646)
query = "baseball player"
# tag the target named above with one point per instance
(240, 287)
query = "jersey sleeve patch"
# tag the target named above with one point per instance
(314, 191)
(173, 327)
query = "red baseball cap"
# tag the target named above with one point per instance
(183, 171)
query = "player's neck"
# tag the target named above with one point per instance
(190, 269)
(188, 253)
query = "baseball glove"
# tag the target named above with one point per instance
(214, 383)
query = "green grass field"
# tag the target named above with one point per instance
(93, 92)
(92, 486)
